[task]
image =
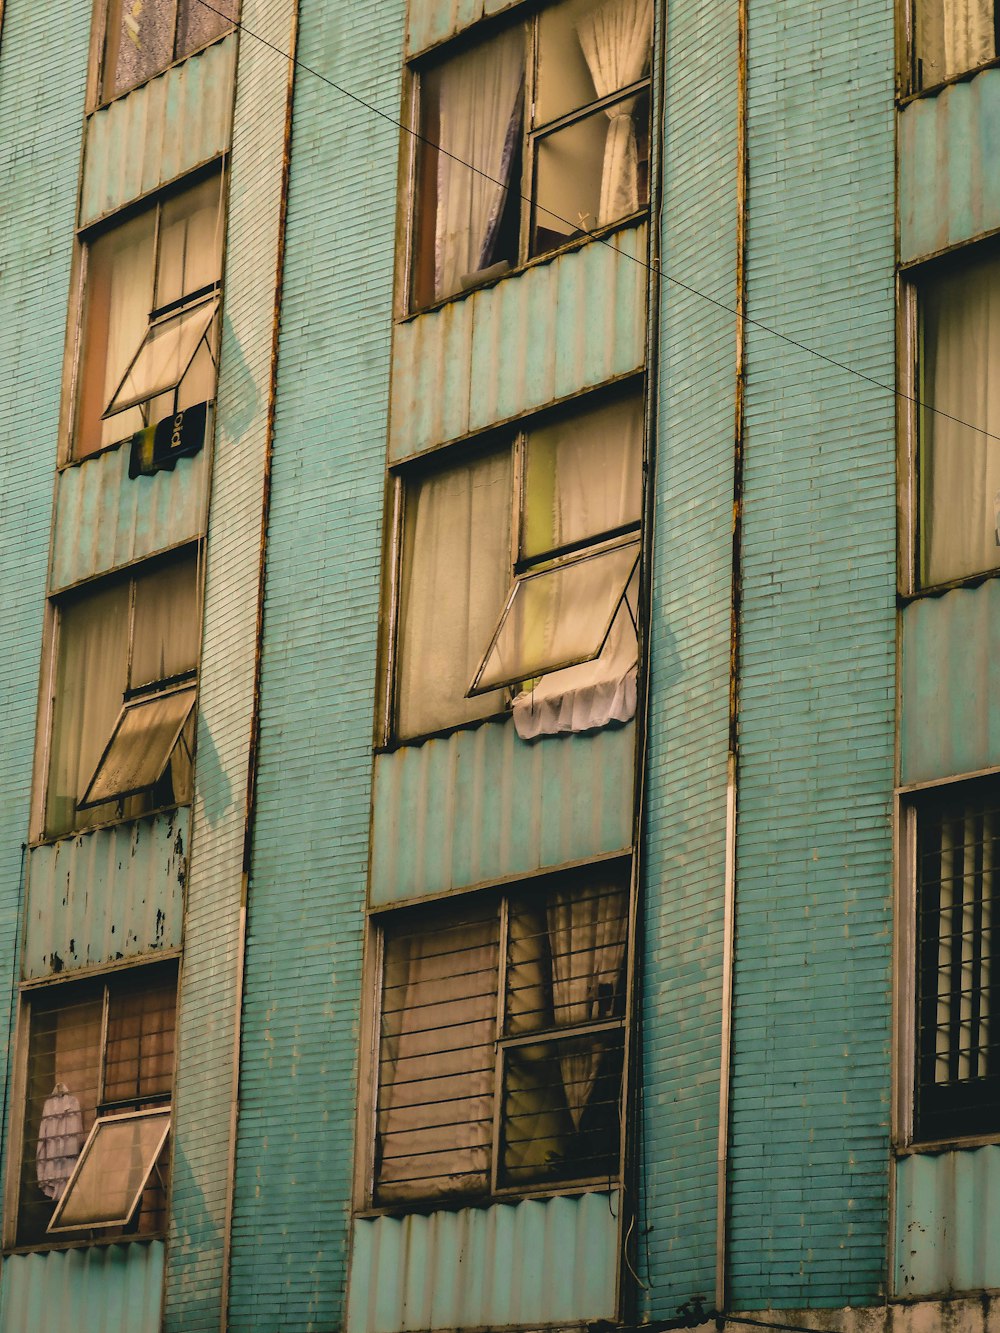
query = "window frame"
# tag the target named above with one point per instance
(528, 18)
(512, 436)
(135, 975)
(621, 866)
(98, 97)
(49, 676)
(910, 801)
(100, 1123)
(75, 354)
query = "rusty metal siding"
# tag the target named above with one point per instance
(432, 21)
(535, 338)
(949, 188)
(537, 1262)
(103, 520)
(103, 1289)
(107, 894)
(163, 129)
(481, 805)
(947, 1222)
(949, 700)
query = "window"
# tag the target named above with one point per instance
(150, 318)
(143, 37)
(122, 734)
(958, 909)
(502, 1043)
(97, 1113)
(556, 110)
(951, 37)
(519, 572)
(958, 467)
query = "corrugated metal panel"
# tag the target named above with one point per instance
(947, 1222)
(106, 1289)
(481, 805)
(431, 21)
(160, 131)
(540, 1261)
(544, 335)
(105, 895)
(949, 189)
(950, 673)
(104, 520)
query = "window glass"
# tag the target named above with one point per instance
(149, 621)
(114, 1167)
(145, 36)
(143, 739)
(456, 561)
(198, 24)
(137, 358)
(959, 466)
(94, 1049)
(952, 36)
(958, 917)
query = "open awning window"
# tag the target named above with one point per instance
(557, 617)
(112, 1171)
(164, 356)
(144, 736)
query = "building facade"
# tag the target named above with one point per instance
(498, 765)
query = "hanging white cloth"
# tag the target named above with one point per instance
(60, 1138)
(615, 39)
(587, 946)
(480, 100)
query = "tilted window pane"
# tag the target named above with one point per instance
(112, 1172)
(557, 617)
(119, 297)
(474, 102)
(140, 42)
(591, 173)
(198, 24)
(589, 49)
(952, 36)
(583, 477)
(562, 1110)
(566, 957)
(958, 916)
(456, 558)
(436, 1058)
(64, 1049)
(167, 623)
(190, 242)
(139, 1052)
(90, 684)
(140, 747)
(164, 356)
(959, 465)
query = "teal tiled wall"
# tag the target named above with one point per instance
(298, 1079)
(810, 1112)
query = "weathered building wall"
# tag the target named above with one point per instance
(298, 1076)
(810, 1121)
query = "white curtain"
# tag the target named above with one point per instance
(960, 465)
(953, 36)
(165, 634)
(456, 563)
(481, 96)
(436, 1061)
(587, 946)
(615, 39)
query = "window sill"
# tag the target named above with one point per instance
(939, 589)
(43, 1247)
(105, 102)
(933, 89)
(413, 742)
(110, 823)
(600, 235)
(934, 1147)
(426, 1207)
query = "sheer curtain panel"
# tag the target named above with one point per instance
(953, 36)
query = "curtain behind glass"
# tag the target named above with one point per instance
(436, 1060)
(616, 41)
(480, 96)
(456, 569)
(959, 466)
(167, 623)
(953, 36)
(89, 688)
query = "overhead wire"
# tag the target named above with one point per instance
(655, 269)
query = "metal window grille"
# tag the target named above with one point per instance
(958, 1042)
